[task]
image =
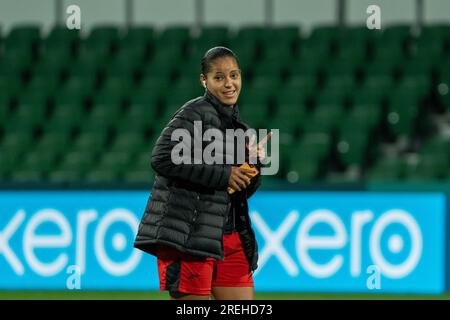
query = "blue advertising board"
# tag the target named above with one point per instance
(308, 241)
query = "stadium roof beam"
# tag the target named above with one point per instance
(268, 13)
(341, 10)
(129, 13)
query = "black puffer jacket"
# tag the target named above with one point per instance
(189, 202)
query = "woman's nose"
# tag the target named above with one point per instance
(227, 82)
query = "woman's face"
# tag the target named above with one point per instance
(224, 80)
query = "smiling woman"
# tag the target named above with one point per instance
(200, 232)
(221, 75)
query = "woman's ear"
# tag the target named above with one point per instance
(203, 80)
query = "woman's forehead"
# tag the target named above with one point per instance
(225, 64)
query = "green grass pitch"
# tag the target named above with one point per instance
(155, 295)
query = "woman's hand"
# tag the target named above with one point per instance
(239, 178)
(258, 151)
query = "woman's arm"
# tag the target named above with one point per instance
(214, 176)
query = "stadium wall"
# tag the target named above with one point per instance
(234, 13)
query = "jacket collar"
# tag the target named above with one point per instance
(224, 110)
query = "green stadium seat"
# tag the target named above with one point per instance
(108, 100)
(397, 33)
(88, 63)
(389, 52)
(65, 176)
(152, 85)
(331, 97)
(352, 144)
(7, 162)
(29, 113)
(378, 82)
(101, 175)
(368, 96)
(358, 35)
(161, 69)
(135, 122)
(402, 114)
(15, 62)
(15, 143)
(418, 68)
(45, 84)
(22, 35)
(316, 145)
(436, 145)
(5, 107)
(304, 170)
(61, 35)
(304, 84)
(342, 67)
(245, 51)
(286, 125)
(98, 121)
(128, 142)
(324, 34)
(138, 36)
(312, 54)
(26, 175)
(81, 161)
(104, 35)
(174, 34)
(419, 86)
(116, 85)
(387, 68)
(251, 34)
(142, 161)
(366, 115)
(76, 88)
(428, 49)
(10, 85)
(325, 118)
(290, 96)
(342, 83)
(386, 169)
(139, 176)
(125, 63)
(115, 161)
(355, 53)
(426, 168)
(269, 68)
(39, 161)
(53, 142)
(285, 35)
(90, 142)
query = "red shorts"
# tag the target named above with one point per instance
(188, 274)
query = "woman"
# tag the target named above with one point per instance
(198, 229)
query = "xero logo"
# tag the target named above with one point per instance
(380, 241)
(49, 241)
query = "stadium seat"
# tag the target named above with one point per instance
(90, 142)
(386, 169)
(402, 114)
(128, 142)
(81, 161)
(352, 144)
(101, 175)
(65, 176)
(53, 142)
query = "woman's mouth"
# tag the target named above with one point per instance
(229, 94)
